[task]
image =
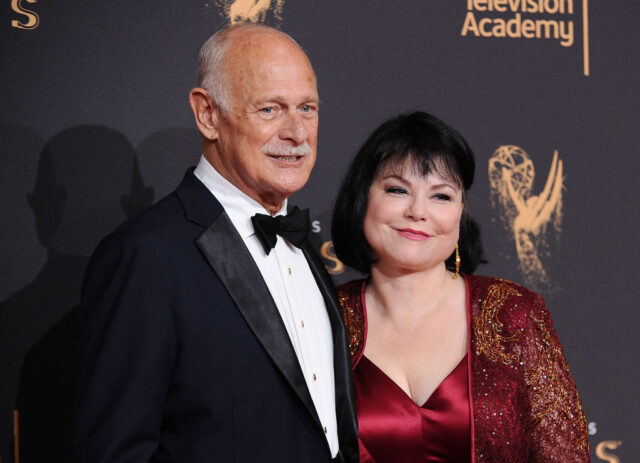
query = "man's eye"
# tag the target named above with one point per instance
(267, 110)
(305, 108)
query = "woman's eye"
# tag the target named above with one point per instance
(443, 197)
(395, 190)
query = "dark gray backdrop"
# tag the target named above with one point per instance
(95, 126)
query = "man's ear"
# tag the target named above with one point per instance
(205, 111)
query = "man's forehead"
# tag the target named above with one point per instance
(266, 83)
(282, 62)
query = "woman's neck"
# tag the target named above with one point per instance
(396, 293)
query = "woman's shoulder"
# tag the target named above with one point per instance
(504, 315)
(350, 297)
(482, 287)
(496, 299)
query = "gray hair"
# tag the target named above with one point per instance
(211, 74)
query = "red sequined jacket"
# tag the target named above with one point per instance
(526, 406)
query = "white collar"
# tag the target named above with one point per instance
(238, 205)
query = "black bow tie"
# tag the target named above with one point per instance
(294, 227)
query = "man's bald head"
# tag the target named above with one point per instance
(212, 65)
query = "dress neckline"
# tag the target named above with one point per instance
(463, 363)
(467, 356)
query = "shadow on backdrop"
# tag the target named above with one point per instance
(165, 155)
(21, 256)
(88, 181)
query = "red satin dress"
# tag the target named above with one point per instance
(393, 429)
(524, 403)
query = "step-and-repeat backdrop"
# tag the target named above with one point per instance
(95, 126)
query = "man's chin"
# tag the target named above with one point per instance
(286, 188)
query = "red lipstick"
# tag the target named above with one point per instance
(412, 234)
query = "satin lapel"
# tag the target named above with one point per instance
(230, 259)
(345, 389)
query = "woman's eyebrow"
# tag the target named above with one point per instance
(396, 176)
(443, 184)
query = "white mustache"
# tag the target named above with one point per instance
(277, 149)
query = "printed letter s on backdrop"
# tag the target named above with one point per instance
(32, 19)
(602, 454)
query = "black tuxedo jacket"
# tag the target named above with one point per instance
(183, 356)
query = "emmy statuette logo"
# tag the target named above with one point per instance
(30, 19)
(255, 11)
(526, 216)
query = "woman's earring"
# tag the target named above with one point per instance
(455, 275)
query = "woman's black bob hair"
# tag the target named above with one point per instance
(416, 140)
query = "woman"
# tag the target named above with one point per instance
(448, 367)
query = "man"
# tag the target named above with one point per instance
(205, 337)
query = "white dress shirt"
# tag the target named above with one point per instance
(287, 274)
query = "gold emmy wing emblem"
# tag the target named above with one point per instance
(524, 215)
(255, 11)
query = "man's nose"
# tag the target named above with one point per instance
(294, 129)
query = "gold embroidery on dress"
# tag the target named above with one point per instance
(488, 329)
(351, 321)
(579, 421)
(549, 392)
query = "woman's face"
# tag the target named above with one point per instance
(412, 222)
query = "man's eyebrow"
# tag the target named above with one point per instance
(307, 99)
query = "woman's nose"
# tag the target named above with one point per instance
(416, 210)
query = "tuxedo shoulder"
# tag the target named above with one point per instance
(156, 217)
(161, 226)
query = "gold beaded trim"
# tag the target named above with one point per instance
(488, 329)
(549, 393)
(354, 324)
